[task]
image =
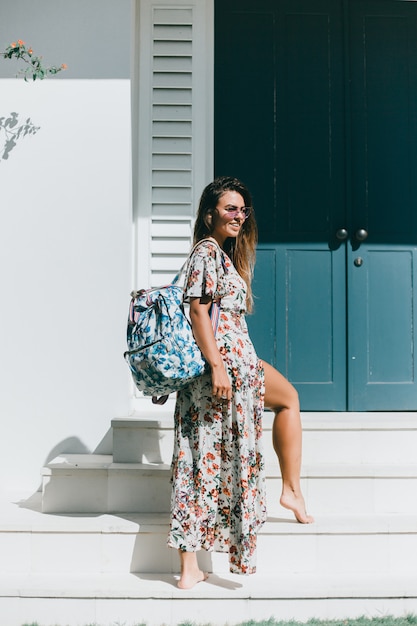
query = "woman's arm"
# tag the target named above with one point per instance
(204, 336)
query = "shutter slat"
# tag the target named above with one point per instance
(162, 95)
(172, 161)
(172, 64)
(172, 112)
(181, 80)
(165, 209)
(171, 129)
(172, 145)
(172, 48)
(173, 32)
(172, 178)
(171, 228)
(173, 16)
(174, 194)
(171, 247)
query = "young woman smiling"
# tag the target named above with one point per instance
(218, 473)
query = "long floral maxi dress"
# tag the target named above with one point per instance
(218, 478)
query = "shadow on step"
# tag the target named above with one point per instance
(213, 579)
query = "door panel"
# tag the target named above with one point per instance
(383, 340)
(310, 114)
(245, 109)
(290, 278)
(383, 86)
(279, 111)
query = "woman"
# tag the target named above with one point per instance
(218, 496)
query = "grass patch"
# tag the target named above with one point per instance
(407, 620)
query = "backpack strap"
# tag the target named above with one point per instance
(187, 261)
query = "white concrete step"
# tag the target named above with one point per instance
(102, 569)
(68, 544)
(130, 599)
(92, 483)
(74, 483)
(386, 438)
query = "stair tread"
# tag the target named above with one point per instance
(162, 417)
(316, 470)
(143, 585)
(27, 517)
(98, 461)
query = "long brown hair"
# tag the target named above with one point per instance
(242, 249)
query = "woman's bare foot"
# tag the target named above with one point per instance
(190, 579)
(191, 574)
(296, 504)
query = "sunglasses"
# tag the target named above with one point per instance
(233, 211)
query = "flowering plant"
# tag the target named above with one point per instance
(35, 68)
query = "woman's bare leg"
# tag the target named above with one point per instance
(282, 398)
(191, 574)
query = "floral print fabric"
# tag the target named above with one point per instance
(218, 479)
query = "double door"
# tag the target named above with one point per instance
(316, 110)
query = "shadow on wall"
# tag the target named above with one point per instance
(70, 445)
(146, 527)
(11, 130)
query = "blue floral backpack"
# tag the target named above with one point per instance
(162, 353)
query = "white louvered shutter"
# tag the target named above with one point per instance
(173, 79)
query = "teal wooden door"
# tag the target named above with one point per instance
(315, 111)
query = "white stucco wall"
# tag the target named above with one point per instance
(65, 269)
(65, 236)
(64, 272)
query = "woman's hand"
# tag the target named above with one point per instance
(222, 389)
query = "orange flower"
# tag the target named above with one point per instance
(64, 66)
(13, 45)
(30, 51)
(20, 42)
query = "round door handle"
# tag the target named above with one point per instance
(342, 234)
(358, 261)
(361, 234)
